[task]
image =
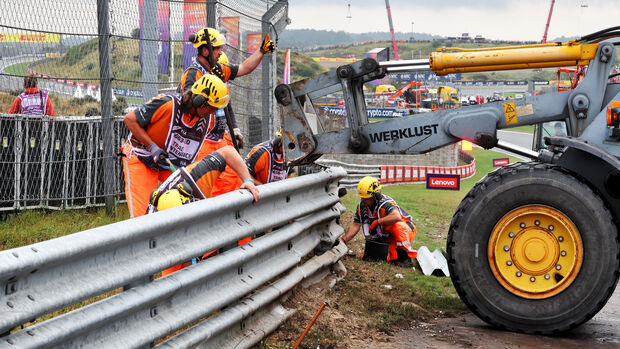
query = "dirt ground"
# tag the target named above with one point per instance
(362, 309)
(343, 325)
(468, 331)
(338, 327)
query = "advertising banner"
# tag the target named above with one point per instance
(231, 26)
(500, 162)
(163, 35)
(372, 112)
(254, 41)
(443, 181)
(399, 173)
(194, 18)
(424, 77)
(29, 37)
(286, 76)
(390, 174)
(383, 174)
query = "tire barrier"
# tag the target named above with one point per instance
(233, 298)
(55, 162)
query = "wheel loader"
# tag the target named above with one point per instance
(534, 246)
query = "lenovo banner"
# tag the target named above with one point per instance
(443, 181)
(500, 162)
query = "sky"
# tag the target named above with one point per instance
(494, 19)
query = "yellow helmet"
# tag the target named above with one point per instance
(223, 59)
(277, 141)
(367, 187)
(178, 196)
(210, 89)
(199, 38)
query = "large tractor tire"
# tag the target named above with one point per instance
(533, 249)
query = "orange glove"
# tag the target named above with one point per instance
(373, 225)
(267, 46)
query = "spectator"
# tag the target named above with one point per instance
(195, 182)
(266, 161)
(383, 221)
(168, 129)
(216, 136)
(32, 101)
(559, 129)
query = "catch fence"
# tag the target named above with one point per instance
(105, 57)
(56, 162)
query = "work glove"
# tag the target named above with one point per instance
(373, 227)
(267, 46)
(239, 137)
(158, 154)
(217, 71)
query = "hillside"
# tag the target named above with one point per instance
(312, 37)
(302, 66)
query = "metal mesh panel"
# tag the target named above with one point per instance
(60, 162)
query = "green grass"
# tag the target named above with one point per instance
(17, 69)
(29, 227)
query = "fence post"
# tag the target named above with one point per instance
(269, 64)
(211, 14)
(103, 25)
(150, 47)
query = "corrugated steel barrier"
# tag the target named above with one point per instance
(230, 300)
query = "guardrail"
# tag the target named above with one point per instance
(355, 172)
(52, 275)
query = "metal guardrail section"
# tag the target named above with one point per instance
(355, 172)
(41, 278)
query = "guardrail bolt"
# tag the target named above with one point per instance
(290, 246)
(152, 243)
(153, 311)
(10, 288)
(240, 270)
(242, 325)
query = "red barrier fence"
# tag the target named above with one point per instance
(413, 174)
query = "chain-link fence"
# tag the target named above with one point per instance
(97, 60)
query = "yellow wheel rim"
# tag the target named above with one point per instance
(535, 251)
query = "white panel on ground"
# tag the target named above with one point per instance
(432, 263)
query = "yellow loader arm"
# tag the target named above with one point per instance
(457, 60)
